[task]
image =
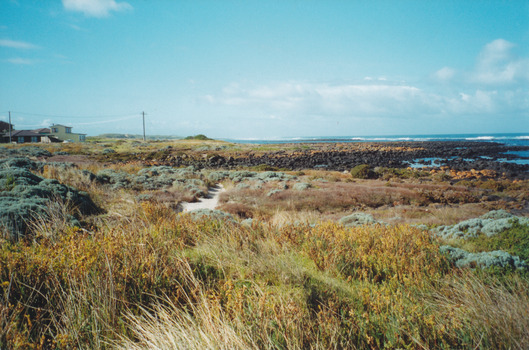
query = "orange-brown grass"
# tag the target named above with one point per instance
(332, 176)
(341, 196)
(372, 253)
(327, 197)
(428, 215)
(495, 313)
(282, 218)
(137, 276)
(70, 176)
(131, 258)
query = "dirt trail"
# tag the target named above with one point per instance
(210, 202)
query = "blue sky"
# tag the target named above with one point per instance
(264, 69)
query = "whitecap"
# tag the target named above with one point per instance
(480, 138)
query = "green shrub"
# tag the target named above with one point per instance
(26, 196)
(362, 171)
(264, 167)
(496, 258)
(209, 214)
(200, 137)
(357, 219)
(19, 162)
(514, 240)
(301, 186)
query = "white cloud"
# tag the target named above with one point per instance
(21, 61)
(445, 74)
(95, 8)
(495, 89)
(498, 65)
(17, 44)
(325, 99)
(303, 101)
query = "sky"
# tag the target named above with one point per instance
(266, 69)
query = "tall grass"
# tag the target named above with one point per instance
(494, 314)
(152, 278)
(202, 324)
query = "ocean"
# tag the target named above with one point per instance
(518, 139)
(521, 139)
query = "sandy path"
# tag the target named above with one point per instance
(210, 202)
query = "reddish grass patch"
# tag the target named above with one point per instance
(328, 197)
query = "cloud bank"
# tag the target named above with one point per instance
(496, 87)
(96, 8)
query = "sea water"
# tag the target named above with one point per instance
(521, 139)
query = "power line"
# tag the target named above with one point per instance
(108, 121)
(75, 117)
(91, 123)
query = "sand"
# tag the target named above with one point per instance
(210, 202)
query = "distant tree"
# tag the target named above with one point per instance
(198, 137)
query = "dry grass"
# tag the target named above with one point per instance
(73, 177)
(400, 202)
(55, 221)
(428, 215)
(282, 218)
(495, 314)
(200, 324)
(153, 278)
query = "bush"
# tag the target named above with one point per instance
(238, 176)
(26, 151)
(264, 167)
(462, 258)
(153, 178)
(26, 196)
(19, 162)
(489, 224)
(514, 240)
(108, 151)
(218, 176)
(208, 214)
(497, 214)
(273, 176)
(272, 192)
(301, 186)
(357, 219)
(118, 179)
(362, 171)
(200, 137)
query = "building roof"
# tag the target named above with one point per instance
(42, 131)
(17, 133)
(60, 125)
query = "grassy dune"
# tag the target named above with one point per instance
(140, 275)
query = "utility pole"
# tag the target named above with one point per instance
(143, 114)
(10, 127)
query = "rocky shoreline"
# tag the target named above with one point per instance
(457, 155)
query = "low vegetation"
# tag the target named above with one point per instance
(200, 137)
(134, 273)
